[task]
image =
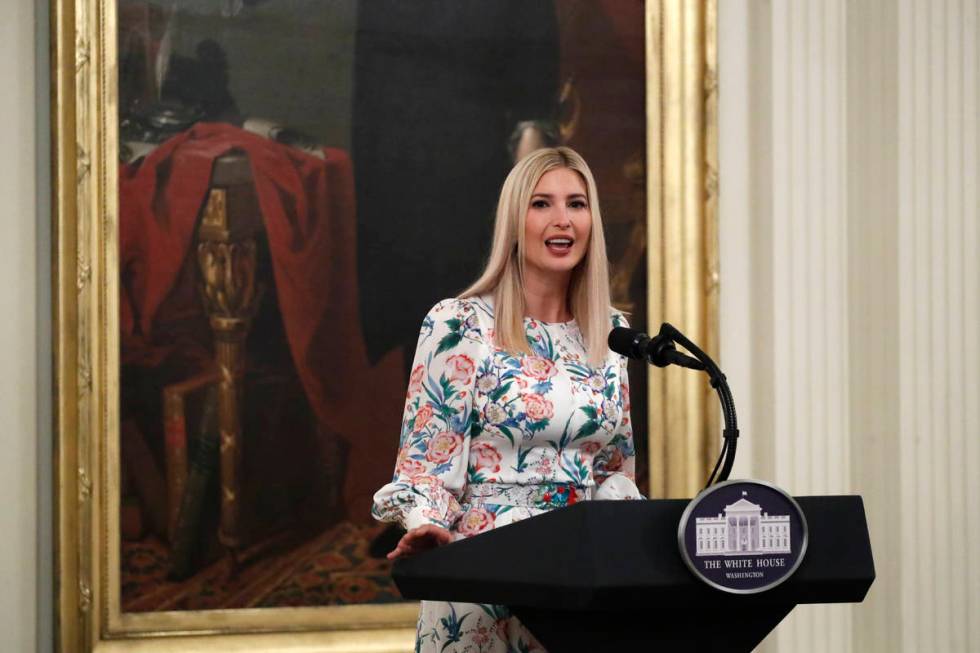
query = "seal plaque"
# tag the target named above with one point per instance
(743, 537)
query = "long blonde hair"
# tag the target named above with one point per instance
(588, 291)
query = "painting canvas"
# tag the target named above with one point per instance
(299, 182)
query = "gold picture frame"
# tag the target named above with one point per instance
(683, 286)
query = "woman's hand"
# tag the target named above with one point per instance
(420, 539)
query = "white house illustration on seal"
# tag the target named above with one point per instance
(744, 529)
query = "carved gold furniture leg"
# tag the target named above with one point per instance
(227, 257)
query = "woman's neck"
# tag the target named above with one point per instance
(546, 297)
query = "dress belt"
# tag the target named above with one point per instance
(543, 496)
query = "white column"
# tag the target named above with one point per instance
(939, 297)
(807, 183)
(850, 333)
(873, 336)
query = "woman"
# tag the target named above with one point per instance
(515, 404)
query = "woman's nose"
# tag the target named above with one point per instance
(562, 219)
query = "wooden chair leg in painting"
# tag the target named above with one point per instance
(228, 268)
(176, 441)
(229, 349)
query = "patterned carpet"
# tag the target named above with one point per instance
(332, 568)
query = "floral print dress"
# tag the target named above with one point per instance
(489, 438)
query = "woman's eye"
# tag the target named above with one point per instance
(539, 204)
(577, 204)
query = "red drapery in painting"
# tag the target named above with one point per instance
(307, 204)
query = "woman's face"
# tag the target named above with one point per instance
(558, 223)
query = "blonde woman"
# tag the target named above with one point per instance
(515, 404)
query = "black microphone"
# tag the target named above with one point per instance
(658, 350)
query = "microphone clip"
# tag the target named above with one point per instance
(661, 351)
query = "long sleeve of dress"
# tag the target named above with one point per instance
(430, 472)
(614, 465)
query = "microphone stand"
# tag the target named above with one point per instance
(720, 384)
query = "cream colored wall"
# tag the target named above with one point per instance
(23, 334)
(850, 292)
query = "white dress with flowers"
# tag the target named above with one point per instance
(489, 438)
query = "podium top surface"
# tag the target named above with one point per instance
(620, 555)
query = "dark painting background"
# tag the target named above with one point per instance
(423, 98)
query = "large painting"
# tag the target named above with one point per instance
(285, 188)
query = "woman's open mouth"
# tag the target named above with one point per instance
(559, 246)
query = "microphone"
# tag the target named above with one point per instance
(658, 350)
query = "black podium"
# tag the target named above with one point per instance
(607, 576)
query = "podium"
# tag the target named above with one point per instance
(607, 576)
